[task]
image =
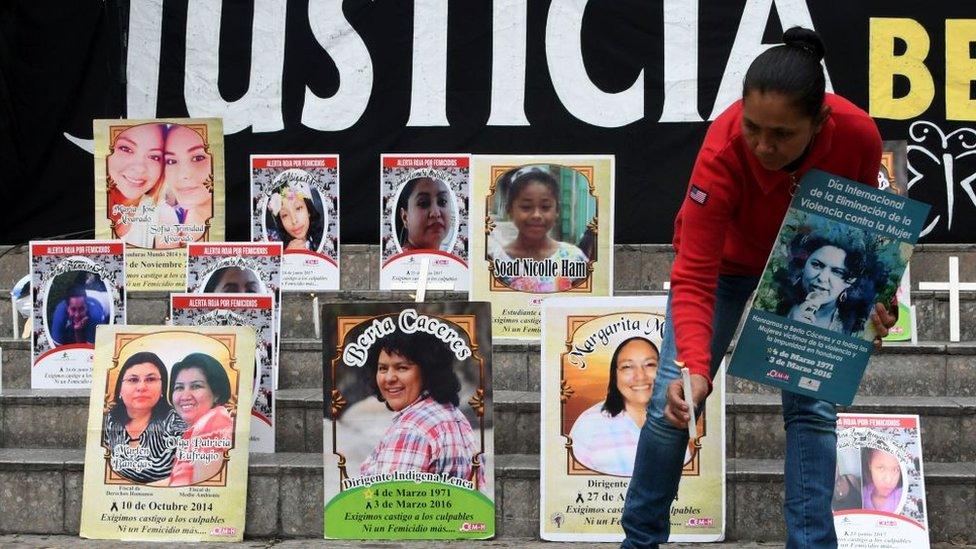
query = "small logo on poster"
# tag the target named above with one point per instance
(809, 384)
(703, 522)
(473, 527)
(223, 531)
(776, 374)
(557, 519)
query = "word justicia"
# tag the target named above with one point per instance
(409, 321)
(648, 327)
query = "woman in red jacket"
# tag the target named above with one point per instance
(746, 172)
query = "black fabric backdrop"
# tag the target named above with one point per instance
(62, 64)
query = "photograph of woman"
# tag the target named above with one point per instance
(882, 481)
(188, 174)
(413, 375)
(141, 428)
(831, 278)
(605, 436)
(532, 208)
(293, 215)
(425, 215)
(233, 280)
(200, 389)
(135, 181)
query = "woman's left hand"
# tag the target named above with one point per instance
(883, 320)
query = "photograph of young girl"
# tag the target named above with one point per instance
(545, 214)
(294, 212)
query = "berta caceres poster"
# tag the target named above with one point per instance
(408, 438)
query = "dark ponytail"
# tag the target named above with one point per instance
(793, 69)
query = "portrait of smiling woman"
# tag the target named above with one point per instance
(200, 389)
(413, 375)
(605, 435)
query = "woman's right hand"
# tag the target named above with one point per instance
(675, 409)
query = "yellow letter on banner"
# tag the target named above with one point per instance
(960, 69)
(883, 65)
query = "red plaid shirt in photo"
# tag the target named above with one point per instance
(426, 436)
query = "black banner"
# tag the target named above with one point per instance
(362, 77)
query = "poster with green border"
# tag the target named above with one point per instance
(407, 421)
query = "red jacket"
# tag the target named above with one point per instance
(740, 206)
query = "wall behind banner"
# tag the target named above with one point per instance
(361, 77)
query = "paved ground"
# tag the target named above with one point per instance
(44, 542)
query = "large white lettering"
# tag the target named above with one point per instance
(260, 106)
(748, 44)
(578, 94)
(428, 91)
(343, 43)
(508, 30)
(680, 61)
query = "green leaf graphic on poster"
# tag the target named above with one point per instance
(410, 510)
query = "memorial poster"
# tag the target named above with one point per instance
(76, 285)
(159, 185)
(545, 228)
(295, 201)
(843, 247)
(408, 439)
(892, 177)
(879, 490)
(241, 310)
(424, 216)
(167, 451)
(599, 360)
(238, 268)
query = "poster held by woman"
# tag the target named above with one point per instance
(76, 286)
(424, 214)
(167, 450)
(295, 201)
(600, 357)
(241, 310)
(545, 229)
(843, 247)
(880, 482)
(408, 437)
(159, 185)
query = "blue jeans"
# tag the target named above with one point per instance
(811, 445)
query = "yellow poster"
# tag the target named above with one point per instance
(159, 184)
(599, 360)
(542, 226)
(168, 426)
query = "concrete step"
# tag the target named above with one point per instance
(638, 269)
(636, 266)
(42, 495)
(754, 426)
(926, 369)
(754, 498)
(297, 317)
